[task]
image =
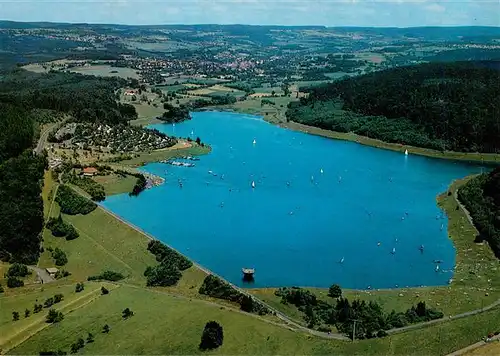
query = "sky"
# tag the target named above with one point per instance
(395, 13)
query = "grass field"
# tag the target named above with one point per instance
(13, 333)
(107, 71)
(216, 90)
(164, 324)
(116, 184)
(490, 349)
(159, 155)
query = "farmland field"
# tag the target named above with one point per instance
(106, 71)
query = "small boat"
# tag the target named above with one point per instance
(342, 260)
(421, 248)
(312, 178)
(437, 268)
(442, 227)
(253, 184)
(254, 142)
(438, 261)
(406, 152)
(378, 243)
(321, 170)
(192, 132)
(393, 250)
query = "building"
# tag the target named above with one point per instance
(51, 271)
(89, 171)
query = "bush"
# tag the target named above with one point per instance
(60, 228)
(15, 316)
(212, 336)
(127, 313)
(62, 273)
(79, 287)
(14, 282)
(58, 298)
(107, 276)
(37, 308)
(1, 289)
(18, 270)
(139, 186)
(27, 313)
(59, 257)
(53, 353)
(48, 302)
(79, 344)
(54, 316)
(104, 291)
(90, 338)
(105, 329)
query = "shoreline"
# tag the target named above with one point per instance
(483, 158)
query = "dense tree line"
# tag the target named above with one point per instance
(72, 203)
(21, 207)
(168, 272)
(446, 106)
(371, 320)
(215, 287)
(86, 98)
(481, 197)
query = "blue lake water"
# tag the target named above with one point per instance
(367, 204)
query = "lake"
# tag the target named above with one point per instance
(322, 211)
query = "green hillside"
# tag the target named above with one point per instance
(450, 106)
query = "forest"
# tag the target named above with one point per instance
(442, 106)
(481, 197)
(86, 98)
(28, 100)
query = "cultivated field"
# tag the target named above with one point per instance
(107, 71)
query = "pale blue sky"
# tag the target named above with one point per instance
(399, 13)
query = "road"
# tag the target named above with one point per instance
(43, 138)
(473, 346)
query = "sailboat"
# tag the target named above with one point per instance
(192, 132)
(254, 142)
(342, 260)
(253, 184)
(393, 250)
(321, 170)
(437, 268)
(406, 152)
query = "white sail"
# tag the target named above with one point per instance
(254, 142)
(253, 184)
(406, 152)
(321, 170)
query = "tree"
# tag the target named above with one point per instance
(247, 303)
(37, 308)
(18, 270)
(27, 313)
(104, 291)
(14, 282)
(90, 338)
(54, 316)
(58, 298)
(15, 316)
(127, 313)
(212, 336)
(79, 287)
(1, 289)
(105, 329)
(79, 344)
(198, 140)
(335, 291)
